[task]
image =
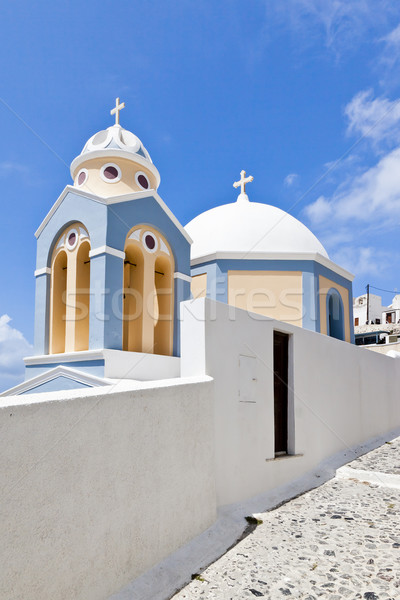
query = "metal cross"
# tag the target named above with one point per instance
(115, 111)
(243, 181)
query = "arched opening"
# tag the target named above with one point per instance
(163, 305)
(133, 298)
(335, 315)
(58, 303)
(70, 291)
(82, 298)
(148, 294)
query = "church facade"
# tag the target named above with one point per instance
(114, 265)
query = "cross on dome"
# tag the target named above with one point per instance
(115, 111)
(242, 183)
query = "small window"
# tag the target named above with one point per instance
(142, 180)
(356, 321)
(82, 176)
(150, 241)
(110, 173)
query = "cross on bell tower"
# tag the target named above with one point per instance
(115, 111)
(242, 183)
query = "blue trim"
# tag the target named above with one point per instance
(93, 367)
(338, 331)
(182, 292)
(311, 318)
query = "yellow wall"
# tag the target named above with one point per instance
(127, 184)
(275, 294)
(324, 286)
(70, 293)
(199, 286)
(148, 295)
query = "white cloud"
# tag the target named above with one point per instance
(358, 223)
(374, 118)
(341, 23)
(290, 179)
(391, 41)
(364, 260)
(13, 347)
(9, 166)
(319, 211)
(374, 195)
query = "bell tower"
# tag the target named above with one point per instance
(113, 265)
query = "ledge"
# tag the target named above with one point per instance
(283, 457)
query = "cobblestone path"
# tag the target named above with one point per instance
(339, 541)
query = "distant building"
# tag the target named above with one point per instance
(391, 314)
(376, 313)
(379, 328)
(360, 309)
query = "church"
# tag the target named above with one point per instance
(182, 379)
(114, 264)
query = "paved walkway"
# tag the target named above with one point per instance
(339, 541)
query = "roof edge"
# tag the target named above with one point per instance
(113, 200)
(314, 256)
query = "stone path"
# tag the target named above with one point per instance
(385, 459)
(339, 541)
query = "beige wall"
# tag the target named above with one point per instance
(275, 294)
(324, 286)
(199, 286)
(127, 184)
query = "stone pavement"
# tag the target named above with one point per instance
(339, 541)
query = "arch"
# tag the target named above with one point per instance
(163, 305)
(58, 303)
(334, 315)
(82, 299)
(148, 300)
(133, 298)
(70, 291)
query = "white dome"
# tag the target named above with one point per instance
(250, 228)
(116, 137)
(114, 142)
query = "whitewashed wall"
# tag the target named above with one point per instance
(342, 395)
(97, 489)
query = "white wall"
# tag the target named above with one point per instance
(375, 308)
(99, 486)
(97, 489)
(342, 395)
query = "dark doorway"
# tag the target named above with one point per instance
(281, 371)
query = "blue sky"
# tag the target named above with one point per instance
(302, 94)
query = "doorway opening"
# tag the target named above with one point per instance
(281, 379)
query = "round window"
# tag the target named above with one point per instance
(72, 239)
(82, 176)
(142, 180)
(150, 241)
(111, 173)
